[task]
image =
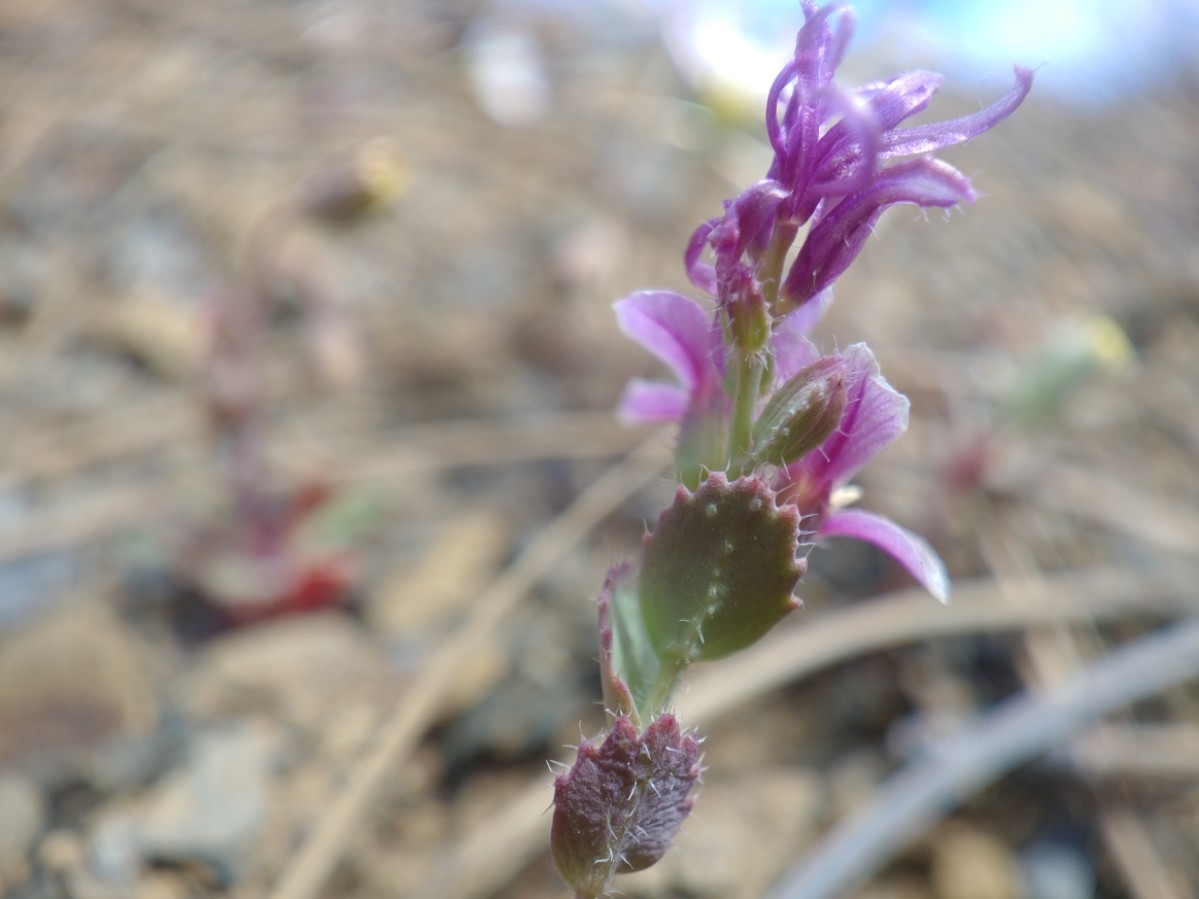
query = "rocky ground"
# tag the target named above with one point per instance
(305, 613)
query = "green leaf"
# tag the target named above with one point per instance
(629, 667)
(718, 571)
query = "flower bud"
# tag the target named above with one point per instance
(801, 414)
(749, 322)
(619, 807)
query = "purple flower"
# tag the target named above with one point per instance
(684, 336)
(830, 147)
(875, 416)
(687, 339)
(837, 167)
(679, 332)
(771, 432)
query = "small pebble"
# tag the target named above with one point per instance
(1057, 871)
(972, 864)
(23, 818)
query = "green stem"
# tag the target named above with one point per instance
(747, 384)
(669, 672)
(672, 662)
(771, 272)
(751, 369)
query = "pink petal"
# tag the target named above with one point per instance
(702, 274)
(908, 549)
(792, 349)
(935, 136)
(836, 240)
(651, 402)
(875, 416)
(805, 319)
(673, 328)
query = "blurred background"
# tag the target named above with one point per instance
(306, 356)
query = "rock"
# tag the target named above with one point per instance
(165, 334)
(25, 583)
(212, 810)
(296, 670)
(1057, 871)
(22, 820)
(113, 854)
(972, 864)
(902, 887)
(507, 69)
(60, 851)
(78, 701)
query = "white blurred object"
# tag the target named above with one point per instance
(1091, 51)
(507, 73)
(730, 51)
(1055, 871)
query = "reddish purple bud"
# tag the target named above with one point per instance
(618, 809)
(746, 308)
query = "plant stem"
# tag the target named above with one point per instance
(750, 369)
(671, 670)
(771, 272)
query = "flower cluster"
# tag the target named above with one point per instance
(833, 174)
(771, 431)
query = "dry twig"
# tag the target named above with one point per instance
(1018, 730)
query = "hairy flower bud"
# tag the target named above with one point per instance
(619, 807)
(802, 413)
(749, 320)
